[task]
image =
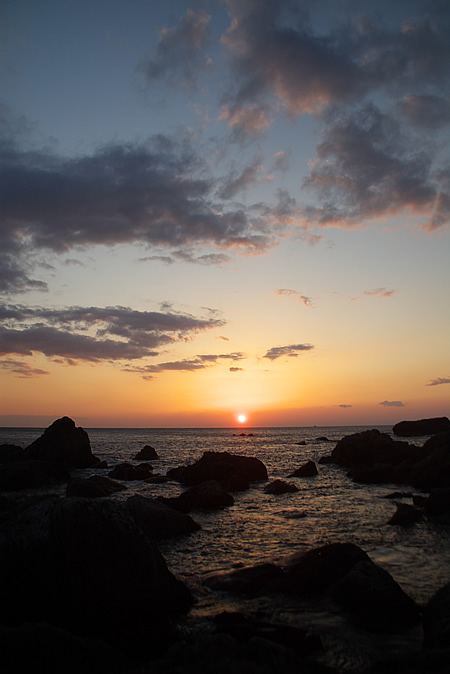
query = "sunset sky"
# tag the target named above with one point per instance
(224, 207)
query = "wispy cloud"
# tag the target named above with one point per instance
(295, 294)
(392, 403)
(200, 362)
(345, 406)
(236, 369)
(179, 57)
(291, 351)
(21, 369)
(439, 381)
(380, 292)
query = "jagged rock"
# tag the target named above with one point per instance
(234, 472)
(94, 486)
(278, 487)
(374, 600)
(208, 495)
(159, 520)
(85, 566)
(31, 474)
(372, 447)
(10, 453)
(421, 427)
(309, 469)
(146, 454)
(128, 472)
(63, 442)
(436, 619)
(405, 515)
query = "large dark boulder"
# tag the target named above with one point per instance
(372, 447)
(85, 566)
(374, 600)
(257, 579)
(234, 472)
(65, 443)
(10, 453)
(436, 619)
(433, 469)
(129, 473)
(159, 520)
(32, 474)
(405, 515)
(147, 453)
(409, 429)
(208, 495)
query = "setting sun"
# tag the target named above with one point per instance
(242, 418)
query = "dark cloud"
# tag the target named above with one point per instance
(295, 294)
(438, 381)
(367, 169)
(153, 194)
(292, 351)
(392, 403)
(179, 55)
(200, 362)
(425, 112)
(345, 406)
(207, 259)
(120, 333)
(236, 183)
(236, 369)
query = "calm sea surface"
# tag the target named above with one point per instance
(259, 527)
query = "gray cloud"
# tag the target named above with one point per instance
(21, 369)
(236, 369)
(179, 55)
(345, 406)
(392, 403)
(291, 351)
(381, 292)
(236, 183)
(153, 194)
(200, 362)
(208, 259)
(439, 381)
(120, 333)
(425, 112)
(295, 294)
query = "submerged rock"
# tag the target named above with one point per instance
(63, 442)
(309, 469)
(234, 472)
(278, 487)
(421, 427)
(208, 495)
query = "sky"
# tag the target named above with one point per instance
(221, 208)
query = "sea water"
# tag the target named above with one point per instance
(262, 528)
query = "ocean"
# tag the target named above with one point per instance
(262, 528)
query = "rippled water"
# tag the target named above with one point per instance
(260, 527)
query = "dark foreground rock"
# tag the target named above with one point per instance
(159, 520)
(405, 515)
(147, 453)
(65, 443)
(341, 571)
(18, 475)
(278, 487)
(233, 472)
(309, 469)
(10, 453)
(208, 495)
(408, 429)
(436, 619)
(85, 566)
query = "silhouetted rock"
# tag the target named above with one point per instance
(128, 472)
(230, 470)
(405, 515)
(159, 520)
(436, 619)
(84, 565)
(95, 486)
(322, 438)
(302, 443)
(422, 427)
(208, 495)
(147, 453)
(32, 474)
(10, 453)
(437, 503)
(379, 473)
(278, 487)
(255, 579)
(374, 600)
(433, 469)
(65, 443)
(372, 447)
(309, 469)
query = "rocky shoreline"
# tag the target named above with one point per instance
(84, 586)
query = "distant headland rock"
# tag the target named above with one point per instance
(63, 442)
(409, 429)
